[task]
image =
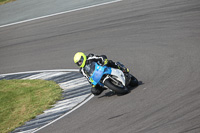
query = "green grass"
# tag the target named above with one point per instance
(5, 1)
(22, 100)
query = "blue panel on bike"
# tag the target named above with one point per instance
(97, 75)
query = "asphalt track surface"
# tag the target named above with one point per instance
(23, 10)
(158, 40)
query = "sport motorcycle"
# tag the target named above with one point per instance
(111, 78)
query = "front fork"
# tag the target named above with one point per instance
(127, 78)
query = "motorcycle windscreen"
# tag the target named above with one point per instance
(97, 75)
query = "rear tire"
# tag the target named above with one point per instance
(116, 89)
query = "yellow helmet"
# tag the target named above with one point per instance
(80, 59)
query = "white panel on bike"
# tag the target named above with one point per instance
(119, 74)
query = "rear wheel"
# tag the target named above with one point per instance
(119, 89)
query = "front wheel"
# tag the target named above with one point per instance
(117, 89)
(134, 82)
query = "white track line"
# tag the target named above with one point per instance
(46, 75)
(91, 96)
(59, 13)
(56, 70)
(69, 106)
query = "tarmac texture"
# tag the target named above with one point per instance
(158, 40)
(23, 10)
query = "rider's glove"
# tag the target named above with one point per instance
(105, 62)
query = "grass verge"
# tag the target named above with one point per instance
(5, 1)
(22, 100)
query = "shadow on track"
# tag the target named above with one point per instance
(111, 93)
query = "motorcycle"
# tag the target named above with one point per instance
(111, 78)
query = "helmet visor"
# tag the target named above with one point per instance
(80, 62)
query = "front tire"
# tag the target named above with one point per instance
(134, 82)
(116, 89)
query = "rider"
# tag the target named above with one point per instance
(82, 60)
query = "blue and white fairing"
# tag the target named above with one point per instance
(96, 72)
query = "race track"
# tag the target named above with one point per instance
(158, 40)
